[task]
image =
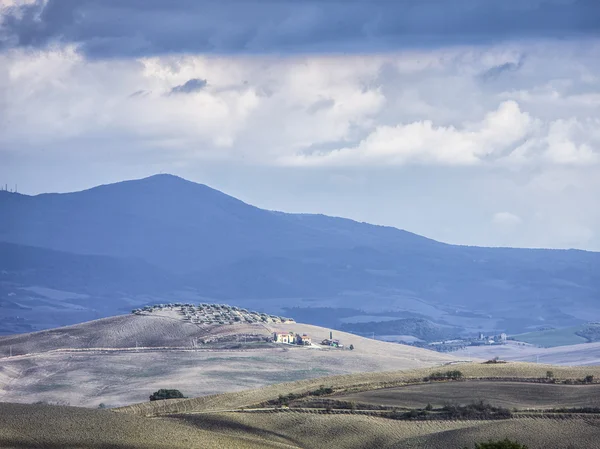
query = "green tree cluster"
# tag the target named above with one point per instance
(166, 394)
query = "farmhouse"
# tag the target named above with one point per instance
(292, 339)
(284, 337)
(304, 340)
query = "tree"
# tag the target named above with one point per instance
(166, 394)
(504, 444)
(549, 375)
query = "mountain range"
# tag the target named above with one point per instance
(66, 258)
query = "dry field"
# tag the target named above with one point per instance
(353, 383)
(96, 362)
(316, 431)
(497, 393)
(572, 355)
(53, 427)
(239, 420)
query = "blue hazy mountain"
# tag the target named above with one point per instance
(165, 238)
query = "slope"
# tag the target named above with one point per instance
(220, 247)
(123, 359)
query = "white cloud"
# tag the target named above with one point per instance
(506, 220)
(428, 107)
(422, 141)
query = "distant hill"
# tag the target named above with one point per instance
(123, 359)
(167, 238)
(420, 328)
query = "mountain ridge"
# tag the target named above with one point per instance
(196, 242)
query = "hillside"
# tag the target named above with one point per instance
(403, 409)
(102, 251)
(122, 360)
(368, 410)
(44, 426)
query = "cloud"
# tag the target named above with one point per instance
(193, 85)
(506, 220)
(494, 72)
(500, 131)
(126, 28)
(425, 107)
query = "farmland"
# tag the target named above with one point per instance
(245, 419)
(503, 394)
(553, 337)
(360, 382)
(316, 431)
(54, 427)
(123, 359)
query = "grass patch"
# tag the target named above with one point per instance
(553, 337)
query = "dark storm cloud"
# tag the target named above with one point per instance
(121, 28)
(193, 85)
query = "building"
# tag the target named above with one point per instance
(332, 343)
(284, 337)
(304, 340)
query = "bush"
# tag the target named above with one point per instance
(448, 375)
(478, 410)
(588, 379)
(549, 375)
(166, 394)
(504, 444)
(351, 347)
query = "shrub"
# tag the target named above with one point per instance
(166, 394)
(549, 375)
(476, 410)
(453, 375)
(588, 379)
(351, 347)
(504, 444)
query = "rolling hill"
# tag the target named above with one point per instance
(102, 251)
(123, 359)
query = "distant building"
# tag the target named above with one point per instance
(284, 337)
(332, 343)
(304, 340)
(503, 336)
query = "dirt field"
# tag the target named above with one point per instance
(52, 427)
(353, 383)
(59, 369)
(572, 355)
(500, 394)
(313, 431)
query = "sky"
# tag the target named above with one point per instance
(471, 122)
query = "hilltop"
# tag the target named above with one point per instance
(73, 257)
(123, 359)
